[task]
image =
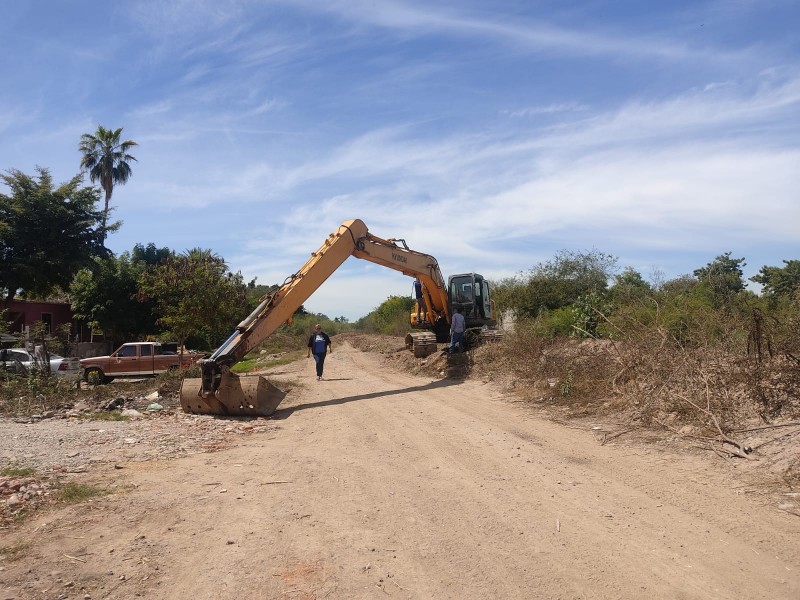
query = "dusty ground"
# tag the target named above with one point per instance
(377, 483)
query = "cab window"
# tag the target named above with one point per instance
(461, 289)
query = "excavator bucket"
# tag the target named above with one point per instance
(247, 396)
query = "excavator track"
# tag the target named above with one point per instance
(491, 335)
(422, 343)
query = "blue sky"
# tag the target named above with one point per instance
(491, 135)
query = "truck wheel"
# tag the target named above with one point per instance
(94, 376)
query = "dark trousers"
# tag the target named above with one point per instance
(457, 338)
(320, 360)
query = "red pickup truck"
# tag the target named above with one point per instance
(137, 359)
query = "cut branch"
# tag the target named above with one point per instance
(742, 450)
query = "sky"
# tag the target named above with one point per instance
(491, 135)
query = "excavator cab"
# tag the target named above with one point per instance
(469, 292)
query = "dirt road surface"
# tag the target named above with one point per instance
(378, 484)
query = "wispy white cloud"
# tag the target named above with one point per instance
(488, 137)
(530, 34)
(179, 16)
(150, 110)
(550, 109)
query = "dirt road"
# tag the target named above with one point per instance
(375, 484)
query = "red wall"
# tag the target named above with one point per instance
(23, 313)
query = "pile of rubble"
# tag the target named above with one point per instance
(50, 447)
(20, 493)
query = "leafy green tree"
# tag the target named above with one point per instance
(557, 283)
(723, 276)
(256, 291)
(779, 281)
(106, 295)
(681, 285)
(47, 233)
(630, 284)
(150, 255)
(196, 295)
(508, 293)
(107, 160)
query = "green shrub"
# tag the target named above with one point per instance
(390, 318)
(553, 323)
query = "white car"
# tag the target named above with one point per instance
(59, 365)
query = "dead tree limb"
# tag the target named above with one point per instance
(608, 438)
(742, 450)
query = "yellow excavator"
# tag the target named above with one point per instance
(218, 391)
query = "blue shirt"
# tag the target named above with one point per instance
(319, 342)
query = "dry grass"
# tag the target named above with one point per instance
(647, 379)
(15, 551)
(34, 393)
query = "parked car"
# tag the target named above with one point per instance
(137, 359)
(12, 358)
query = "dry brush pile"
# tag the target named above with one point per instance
(712, 386)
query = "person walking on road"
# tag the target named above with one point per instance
(319, 344)
(457, 327)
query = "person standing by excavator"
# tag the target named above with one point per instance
(319, 344)
(457, 327)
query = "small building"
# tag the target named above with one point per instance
(22, 314)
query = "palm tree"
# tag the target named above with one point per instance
(107, 160)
